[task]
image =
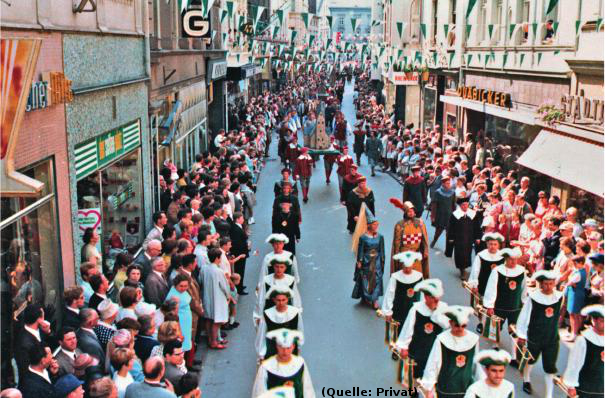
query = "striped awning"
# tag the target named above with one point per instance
(106, 148)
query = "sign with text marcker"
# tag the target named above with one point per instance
(486, 96)
(98, 152)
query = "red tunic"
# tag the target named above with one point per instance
(340, 131)
(304, 166)
(344, 165)
(292, 152)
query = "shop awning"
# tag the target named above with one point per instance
(513, 114)
(577, 163)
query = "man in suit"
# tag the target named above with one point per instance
(37, 380)
(221, 222)
(74, 300)
(187, 268)
(152, 386)
(159, 222)
(154, 249)
(156, 286)
(100, 285)
(34, 333)
(87, 339)
(173, 357)
(239, 246)
(68, 352)
(145, 341)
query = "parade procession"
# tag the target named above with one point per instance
(302, 198)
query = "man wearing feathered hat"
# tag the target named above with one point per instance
(584, 374)
(494, 363)
(538, 324)
(424, 322)
(284, 368)
(278, 242)
(450, 368)
(410, 235)
(485, 261)
(281, 315)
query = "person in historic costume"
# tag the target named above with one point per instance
(329, 160)
(414, 190)
(538, 324)
(277, 188)
(443, 203)
(400, 295)
(359, 144)
(506, 289)
(349, 182)
(369, 266)
(287, 195)
(410, 234)
(461, 235)
(278, 242)
(425, 321)
(303, 169)
(286, 222)
(584, 374)
(281, 315)
(344, 162)
(341, 129)
(494, 385)
(361, 194)
(284, 368)
(450, 369)
(279, 278)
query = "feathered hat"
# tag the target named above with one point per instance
(400, 205)
(282, 258)
(492, 236)
(277, 290)
(594, 310)
(285, 337)
(277, 238)
(408, 258)
(459, 313)
(544, 275)
(493, 357)
(511, 252)
(432, 287)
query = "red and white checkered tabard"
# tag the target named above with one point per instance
(412, 239)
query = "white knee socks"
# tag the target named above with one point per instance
(549, 385)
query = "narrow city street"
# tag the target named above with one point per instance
(344, 340)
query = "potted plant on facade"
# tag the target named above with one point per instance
(550, 114)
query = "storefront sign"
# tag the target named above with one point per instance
(248, 71)
(104, 149)
(53, 89)
(578, 107)
(217, 69)
(90, 218)
(195, 25)
(17, 66)
(404, 79)
(486, 96)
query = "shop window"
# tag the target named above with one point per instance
(31, 266)
(115, 196)
(482, 22)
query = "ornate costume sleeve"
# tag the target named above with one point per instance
(523, 321)
(387, 302)
(491, 289)
(473, 279)
(577, 354)
(405, 337)
(433, 366)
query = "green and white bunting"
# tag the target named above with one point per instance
(504, 59)
(539, 58)
(521, 59)
(511, 30)
(446, 29)
(469, 58)
(469, 8)
(330, 20)
(280, 17)
(423, 30)
(354, 22)
(490, 30)
(468, 30)
(451, 59)
(206, 8)
(551, 5)
(293, 34)
(224, 14)
(305, 18)
(400, 29)
(230, 8)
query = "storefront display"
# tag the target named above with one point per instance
(110, 190)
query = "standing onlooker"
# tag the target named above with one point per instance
(89, 252)
(179, 290)
(122, 360)
(156, 285)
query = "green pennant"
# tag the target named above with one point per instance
(354, 22)
(534, 29)
(479, 58)
(212, 34)
(330, 20)
(578, 24)
(539, 58)
(275, 29)
(551, 6)
(486, 60)
(280, 17)
(434, 58)
(521, 58)
(468, 30)
(381, 52)
(224, 14)
(469, 8)
(224, 37)
(511, 30)
(423, 29)
(293, 34)
(556, 52)
(599, 23)
(183, 5)
(504, 59)
(446, 29)
(451, 59)
(469, 57)
(490, 30)
(555, 27)
(205, 8)
(240, 21)
(328, 42)
(311, 40)
(305, 18)
(400, 29)
(237, 56)
(230, 9)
